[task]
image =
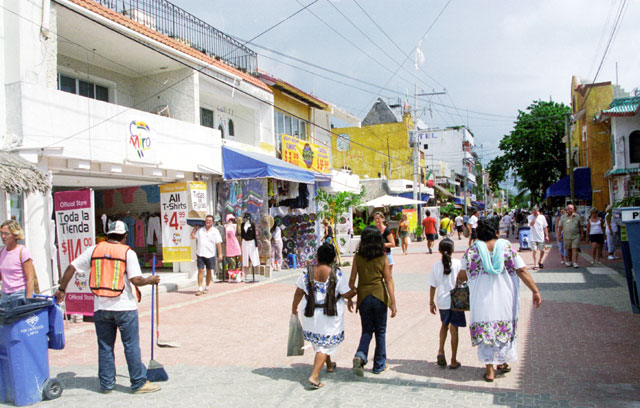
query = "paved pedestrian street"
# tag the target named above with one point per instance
(581, 348)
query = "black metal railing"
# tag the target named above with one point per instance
(169, 19)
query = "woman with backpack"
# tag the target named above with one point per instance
(320, 293)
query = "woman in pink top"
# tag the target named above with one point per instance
(16, 268)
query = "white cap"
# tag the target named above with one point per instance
(117, 227)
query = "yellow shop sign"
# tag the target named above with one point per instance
(307, 155)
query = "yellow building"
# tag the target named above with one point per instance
(296, 112)
(591, 139)
(380, 147)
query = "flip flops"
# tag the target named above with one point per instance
(442, 361)
(455, 366)
(315, 386)
(503, 368)
(486, 378)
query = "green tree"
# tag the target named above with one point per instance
(332, 205)
(534, 149)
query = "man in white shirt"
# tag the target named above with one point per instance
(208, 239)
(538, 235)
(114, 304)
(506, 221)
(473, 224)
(459, 225)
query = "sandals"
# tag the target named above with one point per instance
(455, 366)
(315, 386)
(503, 367)
(486, 378)
(331, 367)
(442, 361)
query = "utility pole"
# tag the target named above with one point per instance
(465, 171)
(416, 152)
(567, 127)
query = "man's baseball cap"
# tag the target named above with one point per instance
(117, 227)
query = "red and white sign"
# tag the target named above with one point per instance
(75, 228)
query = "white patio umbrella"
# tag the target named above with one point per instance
(392, 201)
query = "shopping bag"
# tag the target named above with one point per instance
(460, 298)
(296, 340)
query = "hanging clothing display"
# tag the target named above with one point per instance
(153, 227)
(140, 227)
(127, 194)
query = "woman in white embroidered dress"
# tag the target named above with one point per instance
(323, 314)
(493, 270)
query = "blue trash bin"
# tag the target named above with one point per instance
(630, 240)
(292, 261)
(524, 237)
(24, 356)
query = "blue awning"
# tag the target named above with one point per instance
(409, 194)
(245, 165)
(581, 182)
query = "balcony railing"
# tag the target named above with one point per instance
(169, 19)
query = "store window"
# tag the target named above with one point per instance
(83, 88)
(290, 126)
(634, 147)
(232, 131)
(206, 117)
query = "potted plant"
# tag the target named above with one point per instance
(418, 233)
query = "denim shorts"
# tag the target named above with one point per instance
(452, 317)
(390, 258)
(209, 263)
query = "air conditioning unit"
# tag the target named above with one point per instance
(141, 17)
(162, 110)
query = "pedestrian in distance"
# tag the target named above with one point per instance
(493, 270)
(571, 230)
(276, 246)
(506, 221)
(403, 233)
(539, 235)
(611, 231)
(327, 237)
(445, 226)
(232, 247)
(459, 225)
(320, 293)
(376, 293)
(388, 240)
(562, 214)
(429, 227)
(113, 268)
(208, 247)
(595, 231)
(472, 224)
(17, 273)
(442, 281)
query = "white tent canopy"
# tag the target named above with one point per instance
(392, 201)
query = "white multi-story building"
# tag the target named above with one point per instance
(112, 95)
(448, 152)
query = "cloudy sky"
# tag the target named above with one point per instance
(492, 57)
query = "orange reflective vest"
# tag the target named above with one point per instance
(108, 266)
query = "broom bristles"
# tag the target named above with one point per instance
(156, 372)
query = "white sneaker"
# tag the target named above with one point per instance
(575, 264)
(611, 257)
(562, 263)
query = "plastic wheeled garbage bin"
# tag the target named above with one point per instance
(630, 240)
(24, 356)
(524, 237)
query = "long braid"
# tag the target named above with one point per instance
(330, 308)
(446, 248)
(311, 297)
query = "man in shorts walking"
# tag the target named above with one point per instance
(429, 228)
(459, 225)
(208, 244)
(571, 228)
(539, 235)
(472, 224)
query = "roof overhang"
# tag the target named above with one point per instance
(294, 92)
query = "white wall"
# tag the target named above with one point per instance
(87, 129)
(622, 128)
(445, 146)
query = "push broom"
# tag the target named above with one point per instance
(155, 370)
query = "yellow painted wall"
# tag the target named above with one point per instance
(595, 151)
(390, 139)
(291, 106)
